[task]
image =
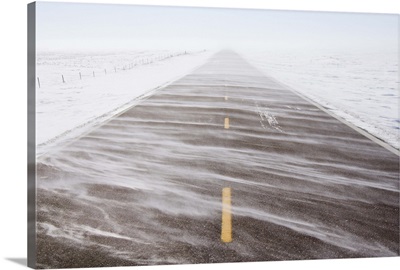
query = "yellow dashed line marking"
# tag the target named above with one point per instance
(226, 227)
(226, 123)
(226, 97)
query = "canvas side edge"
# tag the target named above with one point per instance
(31, 155)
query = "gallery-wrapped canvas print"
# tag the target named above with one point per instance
(171, 135)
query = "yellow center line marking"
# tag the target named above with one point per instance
(226, 227)
(226, 123)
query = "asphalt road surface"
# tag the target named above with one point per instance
(223, 165)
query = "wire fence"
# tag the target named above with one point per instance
(83, 74)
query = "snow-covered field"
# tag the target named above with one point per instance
(360, 87)
(79, 90)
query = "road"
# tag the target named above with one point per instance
(223, 165)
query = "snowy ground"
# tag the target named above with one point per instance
(362, 88)
(97, 86)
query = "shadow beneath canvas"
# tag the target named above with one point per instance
(20, 261)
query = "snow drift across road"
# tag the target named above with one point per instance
(78, 91)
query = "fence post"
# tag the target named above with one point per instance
(63, 78)
(93, 74)
(115, 69)
(38, 81)
(80, 76)
(105, 71)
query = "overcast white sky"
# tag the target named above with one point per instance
(69, 26)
